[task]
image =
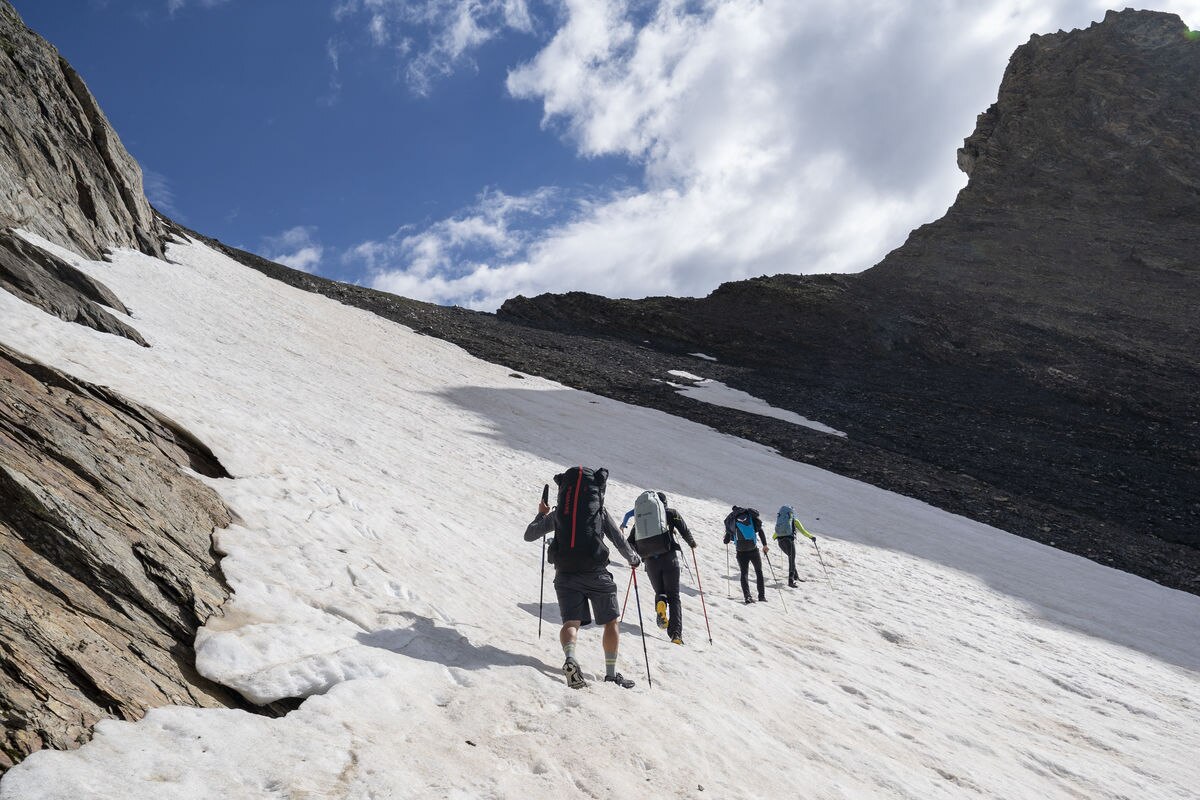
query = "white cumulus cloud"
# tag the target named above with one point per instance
(773, 136)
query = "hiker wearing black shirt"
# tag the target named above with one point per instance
(744, 527)
(663, 569)
(581, 577)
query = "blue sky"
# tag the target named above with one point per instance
(463, 151)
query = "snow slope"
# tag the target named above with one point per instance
(383, 480)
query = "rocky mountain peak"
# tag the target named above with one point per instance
(63, 171)
(1101, 113)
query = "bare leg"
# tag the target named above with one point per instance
(570, 632)
(612, 636)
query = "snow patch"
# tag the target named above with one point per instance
(716, 393)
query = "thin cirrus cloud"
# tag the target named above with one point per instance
(773, 136)
(174, 6)
(434, 37)
(295, 248)
(160, 194)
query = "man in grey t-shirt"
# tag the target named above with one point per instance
(584, 586)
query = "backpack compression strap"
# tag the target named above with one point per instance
(575, 508)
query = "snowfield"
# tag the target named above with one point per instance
(383, 481)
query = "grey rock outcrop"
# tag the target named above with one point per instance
(63, 172)
(106, 562)
(51, 284)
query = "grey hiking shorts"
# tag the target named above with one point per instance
(576, 590)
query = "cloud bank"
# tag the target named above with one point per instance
(773, 136)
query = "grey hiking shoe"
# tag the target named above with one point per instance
(619, 680)
(573, 674)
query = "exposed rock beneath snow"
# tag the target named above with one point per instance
(106, 562)
(63, 172)
(55, 286)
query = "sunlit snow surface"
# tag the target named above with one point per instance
(706, 390)
(383, 480)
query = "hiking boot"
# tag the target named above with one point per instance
(762, 598)
(791, 584)
(677, 640)
(749, 600)
(573, 674)
(660, 608)
(619, 680)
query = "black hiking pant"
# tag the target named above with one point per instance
(664, 577)
(788, 545)
(745, 559)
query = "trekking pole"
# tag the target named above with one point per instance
(645, 654)
(701, 588)
(776, 579)
(542, 583)
(542, 587)
(728, 575)
(822, 560)
(689, 569)
(626, 595)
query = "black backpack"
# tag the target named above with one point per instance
(743, 531)
(579, 520)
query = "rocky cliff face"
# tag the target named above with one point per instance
(1039, 339)
(106, 562)
(63, 172)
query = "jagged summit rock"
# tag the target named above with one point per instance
(63, 171)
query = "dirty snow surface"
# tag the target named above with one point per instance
(383, 481)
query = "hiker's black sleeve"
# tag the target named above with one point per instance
(542, 524)
(613, 534)
(678, 524)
